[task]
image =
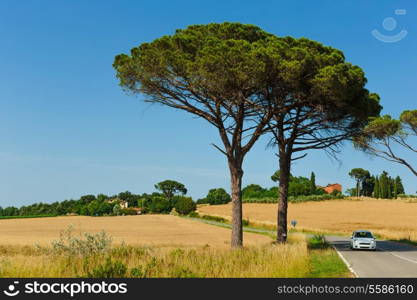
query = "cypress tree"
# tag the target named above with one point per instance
(389, 190)
(386, 186)
(377, 188)
(381, 186)
(395, 189)
(368, 185)
(400, 187)
(313, 187)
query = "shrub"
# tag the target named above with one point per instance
(117, 209)
(110, 269)
(335, 193)
(317, 242)
(185, 205)
(218, 196)
(159, 204)
(137, 272)
(253, 191)
(97, 208)
(194, 214)
(202, 201)
(87, 244)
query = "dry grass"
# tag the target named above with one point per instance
(391, 219)
(290, 260)
(133, 230)
(156, 246)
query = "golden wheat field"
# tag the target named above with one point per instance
(391, 219)
(139, 230)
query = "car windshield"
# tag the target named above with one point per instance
(363, 234)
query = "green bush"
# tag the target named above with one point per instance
(335, 193)
(117, 209)
(85, 245)
(185, 205)
(254, 191)
(97, 208)
(217, 196)
(159, 204)
(110, 269)
(193, 214)
(137, 272)
(202, 201)
(317, 242)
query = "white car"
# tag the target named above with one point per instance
(362, 239)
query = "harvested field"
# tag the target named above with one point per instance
(134, 230)
(392, 219)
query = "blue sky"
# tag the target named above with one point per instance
(67, 129)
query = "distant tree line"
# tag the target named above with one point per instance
(377, 186)
(89, 205)
(215, 196)
(298, 186)
(170, 195)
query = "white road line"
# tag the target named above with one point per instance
(399, 256)
(346, 262)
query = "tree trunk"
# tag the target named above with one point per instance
(236, 174)
(284, 166)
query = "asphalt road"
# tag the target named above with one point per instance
(389, 260)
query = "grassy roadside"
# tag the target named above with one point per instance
(404, 241)
(324, 261)
(322, 258)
